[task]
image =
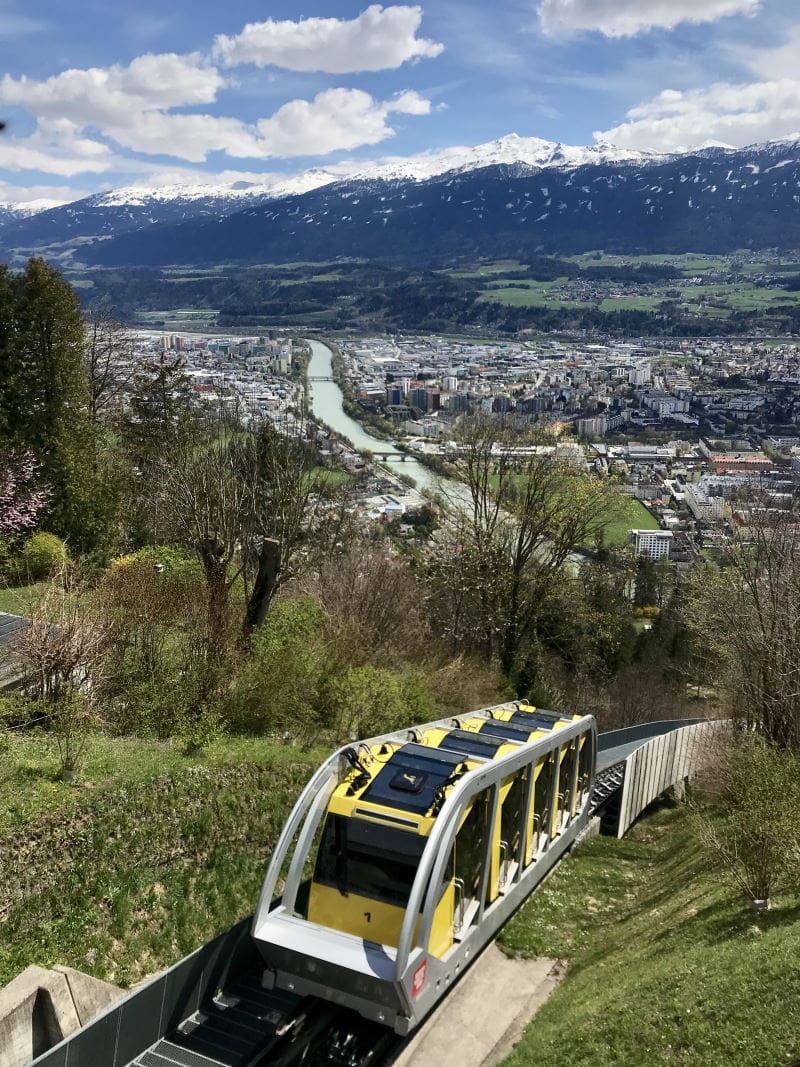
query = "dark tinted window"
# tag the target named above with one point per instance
(373, 861)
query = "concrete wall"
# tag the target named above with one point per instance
(41, 1007)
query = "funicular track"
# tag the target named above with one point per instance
(210, 1010)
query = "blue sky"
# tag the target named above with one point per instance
(100, 95)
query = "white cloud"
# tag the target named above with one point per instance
(335, 119)
(38, 197)
(733, 114)
(625, 18)
(134, 106)
(780, 61)
(108, 96)
(380, 38)
(56, 147)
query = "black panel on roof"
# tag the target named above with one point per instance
(411, 777)
(533, 720)
(471, 744)
(508, 730)
(542, 713)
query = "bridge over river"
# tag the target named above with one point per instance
(325, 401)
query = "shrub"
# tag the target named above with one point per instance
(41, 556)
(755, 838)
(199, 728)
(175, 562)
(277, 689)
(368, 700)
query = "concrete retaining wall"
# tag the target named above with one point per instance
(41, 1007)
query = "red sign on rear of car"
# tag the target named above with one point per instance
(419, 978)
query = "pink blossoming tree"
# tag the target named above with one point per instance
(21, 501)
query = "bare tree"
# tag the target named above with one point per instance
(109, 360)
(288, 499)
(529, 507)
(746, 615)
(206, 494)
(243, 503)
(373, 602)
(63, 649)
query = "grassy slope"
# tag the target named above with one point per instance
(666, 965)
(147, 856)
(20, 599)
(630, 515)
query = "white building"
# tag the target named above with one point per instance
(639, 375)
(653, 543)
(703, 504)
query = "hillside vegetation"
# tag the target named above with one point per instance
(154, 854)
(666, 964)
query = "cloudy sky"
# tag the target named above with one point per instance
(98, 95)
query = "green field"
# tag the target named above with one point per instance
(631, 514)
(630, 303)
(666, 965)
(147, 856)
(178, 319)
(717, 299)
(539, 294)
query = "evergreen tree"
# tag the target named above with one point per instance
(48, 385)
(7, 315)
(158, 406)
(44, 402)
(646, 587)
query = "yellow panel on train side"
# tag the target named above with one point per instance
(373, 920)
(532, 838)
(367, 809)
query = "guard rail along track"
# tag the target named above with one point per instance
(215, 1008)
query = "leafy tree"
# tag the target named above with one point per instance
(45, 402)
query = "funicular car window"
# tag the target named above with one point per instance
(370, 860)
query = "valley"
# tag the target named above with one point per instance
(751, 293)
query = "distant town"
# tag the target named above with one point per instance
(683, 429)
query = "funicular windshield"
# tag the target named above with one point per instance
(369, 860)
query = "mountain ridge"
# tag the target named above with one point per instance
(594, 187)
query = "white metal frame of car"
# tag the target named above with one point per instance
(398, 987)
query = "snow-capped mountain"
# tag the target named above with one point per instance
(520, 192)
(511, 149)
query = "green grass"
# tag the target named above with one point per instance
(630, 514)
(666, 965)
(19, 599)
(29, 768)
(630, 303)
(144, 858)
(552, 294)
